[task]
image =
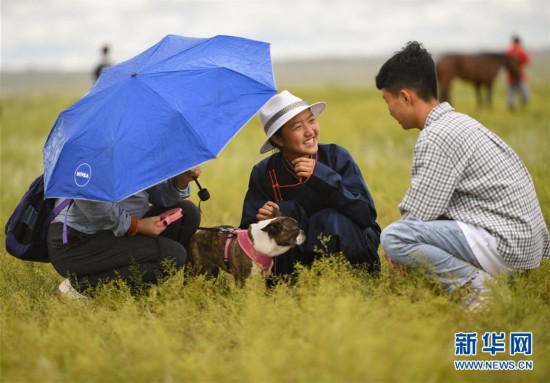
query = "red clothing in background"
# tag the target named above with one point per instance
(523, 59)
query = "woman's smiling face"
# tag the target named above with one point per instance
(299, 136)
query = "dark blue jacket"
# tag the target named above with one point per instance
(334, 201)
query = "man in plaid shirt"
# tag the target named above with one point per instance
(471, 210)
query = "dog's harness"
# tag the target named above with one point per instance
(263, 261)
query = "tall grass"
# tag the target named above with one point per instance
(333, 324)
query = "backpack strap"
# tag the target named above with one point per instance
(56, 210)
(55, 213)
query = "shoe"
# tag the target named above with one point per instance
(479, 294)
(67, 290)
(476, 300)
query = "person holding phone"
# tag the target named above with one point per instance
(91, 242)
(319, 185)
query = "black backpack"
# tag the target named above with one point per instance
(27, 228)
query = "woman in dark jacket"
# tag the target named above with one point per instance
(320, 185)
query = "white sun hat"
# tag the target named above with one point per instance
(279, 110)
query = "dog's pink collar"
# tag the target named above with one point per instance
(263, 261)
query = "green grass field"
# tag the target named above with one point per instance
(335, 324)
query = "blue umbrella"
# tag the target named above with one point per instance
(170, 108)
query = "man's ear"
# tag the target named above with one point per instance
(407, 96)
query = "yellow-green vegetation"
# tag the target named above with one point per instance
(333, 324)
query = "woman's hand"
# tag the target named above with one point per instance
(303, 166)
(147, 226)
(183, 179)
(268, 211)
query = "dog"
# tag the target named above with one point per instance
(243, 252)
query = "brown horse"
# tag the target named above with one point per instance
(479, 69)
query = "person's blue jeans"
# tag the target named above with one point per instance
(520, 87)
(438, 245)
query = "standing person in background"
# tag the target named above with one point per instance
(519, 84)
(319, 185)
(471, 211)
(104, 62)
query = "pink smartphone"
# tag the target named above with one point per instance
(169, 216)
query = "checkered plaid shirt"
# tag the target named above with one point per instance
(464, 172)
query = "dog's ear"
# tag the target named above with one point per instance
(273, 228)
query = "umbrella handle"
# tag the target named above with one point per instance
(204, 195)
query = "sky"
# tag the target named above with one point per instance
(67, 35)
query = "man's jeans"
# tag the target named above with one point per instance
(438, 245)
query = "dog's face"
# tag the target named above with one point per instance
(276, 236)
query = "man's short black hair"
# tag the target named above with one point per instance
(412, 68)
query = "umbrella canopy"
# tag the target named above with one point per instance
(170, 108)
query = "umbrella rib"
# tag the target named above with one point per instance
(183, 116)
(147, 66)
(204, 146)
(221, 67)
